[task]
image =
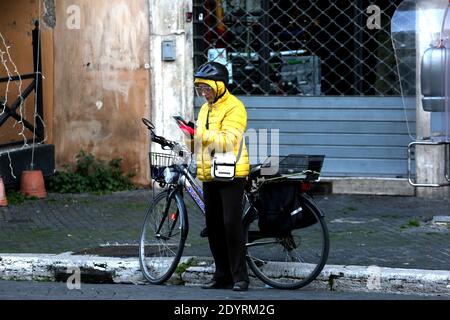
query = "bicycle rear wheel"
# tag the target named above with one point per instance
(291, 261)
(163, 236)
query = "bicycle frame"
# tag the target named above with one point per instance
(193, 189)
(166, 216)
(189, 183)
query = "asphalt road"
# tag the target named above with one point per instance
(29, 299)
(11, 290)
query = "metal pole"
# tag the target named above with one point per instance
(357, 47)
(265, 49)
(37, 61)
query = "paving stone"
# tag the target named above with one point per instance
(387, 231)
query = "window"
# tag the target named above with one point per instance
(295, 47)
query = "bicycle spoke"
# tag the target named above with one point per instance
(162, 237)
(167, 249)
(170, 236)
(260, 243)
(291, 261)
(258, 262)
(296, 258)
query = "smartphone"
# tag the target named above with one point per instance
(179, 118)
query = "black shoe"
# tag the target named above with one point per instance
(214, 284)
(240, 286)
(204, 233)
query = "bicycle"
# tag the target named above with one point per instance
(272, 257)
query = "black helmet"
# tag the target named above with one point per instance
(213, 71)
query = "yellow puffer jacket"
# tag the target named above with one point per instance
(227, 125)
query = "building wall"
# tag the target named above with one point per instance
(16, 24)
(171, 81)
(101, 82)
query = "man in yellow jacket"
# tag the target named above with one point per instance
(221, 124)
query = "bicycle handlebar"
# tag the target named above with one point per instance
(163, 142)
(157, 139)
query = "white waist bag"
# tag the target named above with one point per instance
(223, 165)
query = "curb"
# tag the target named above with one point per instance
(370, 186)
(94, 269)
(357, 279)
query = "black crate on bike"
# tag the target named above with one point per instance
(297, 166)
(281, 209)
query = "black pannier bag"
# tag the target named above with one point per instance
(281, 209)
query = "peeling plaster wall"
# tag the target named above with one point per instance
(102, 85)
(16, 24)
(171, 82)
(49, 16)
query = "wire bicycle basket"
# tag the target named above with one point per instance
(158, 163)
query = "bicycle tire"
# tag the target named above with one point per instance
(160, 252)
(265, 252)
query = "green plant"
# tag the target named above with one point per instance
(182, 267)
(91, 175)
(414, 223)
(331, 282)
(16, 198)
(411, 224)
(348, 210)
(177, 279)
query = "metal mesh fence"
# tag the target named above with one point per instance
(292, 47)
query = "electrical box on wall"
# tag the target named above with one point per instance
(168, 50)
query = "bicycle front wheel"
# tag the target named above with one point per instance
(291, 261)
(163, 236)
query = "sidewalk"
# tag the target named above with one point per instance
(388, 232)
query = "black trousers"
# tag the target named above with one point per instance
(223, 208)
